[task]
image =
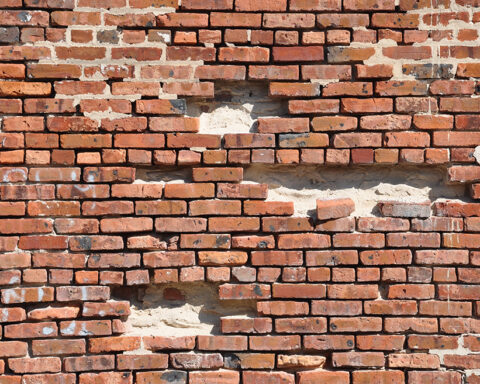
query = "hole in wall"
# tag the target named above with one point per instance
(236, 107)
(163, 175)
(181, 309)
(366, 185)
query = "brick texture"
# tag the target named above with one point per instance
(91, 93)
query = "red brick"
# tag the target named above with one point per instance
(113, 377)
(252, 377)
(463, 173)
(273, 72)
(367, 105)
(374, 240)
(114, 344)
(244, 54)
(53, 208)
(252, 6)
(298, 291)
(32, 330)
(49, 313)
(312, 53)
(253, 140)
(238, 325)
(237, 19)
(311, 377)
(316, 106)
(246, 191)
(209, 4)
(332, 209)
(224, 376)
(449, 377)
(286, 224)
(294, 89)
(283, 125)
(9, 244)
(367, 377)
(348, 89)
(222, 343)
(168, 259)
(276, 258)
(126, 140)
(17, 88)
(411, 291)
(109, 174)
(402, 209)
(86, 293)
(233, 224)
(461, 292)
(107, 208)
(222, 258)
(42, 242)
(244, 291)
(414, 360)
(374, 71)
(127, 224)
(58, 347)
(442, 256)
(380, 342)
(407, 139)
(303, 240)
(353, 140)
(224, 72)
(347, 54)
(169, 207)
(151, 361)
(352, 292)
(87, 363)
(79, 328)
(59, 260)
(418, 240)
(35, 365)
(180, 225)
(55, 378)
(358, 359)
(13, 348)
(217, 174)
(161, 377)
(385, 257)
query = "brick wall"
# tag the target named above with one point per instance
(93, 91)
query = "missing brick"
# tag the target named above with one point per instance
(236, 107)
(180, 309)
(163, 175)
(365, 185)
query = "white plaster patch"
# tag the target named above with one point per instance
(365, 185)
(236, 107)
(198, 314)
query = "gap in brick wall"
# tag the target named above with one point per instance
(163, 175)
(180, 309)
(236, 107)
(366, 185)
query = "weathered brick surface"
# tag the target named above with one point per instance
(92, 94)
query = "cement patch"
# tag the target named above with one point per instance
(196, 311)
(236, 107)
(365, 185)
